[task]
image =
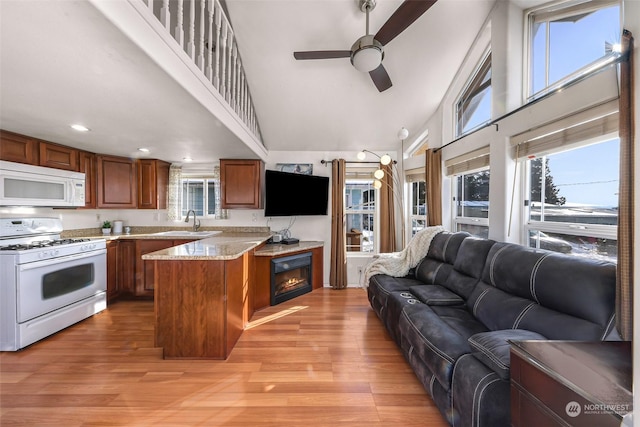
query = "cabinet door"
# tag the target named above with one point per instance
(116, 182)
(58, 156)
(241, 183)
(153, 183)
(145, 278)
(112, 270)
(127, 266)
(18, 148)
(87, 165)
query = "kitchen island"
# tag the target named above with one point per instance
(204, 292)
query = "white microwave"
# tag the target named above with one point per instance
(28, 185)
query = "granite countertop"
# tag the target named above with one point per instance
(275, 249)
(224, 246)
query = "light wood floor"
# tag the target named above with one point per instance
(322, 359)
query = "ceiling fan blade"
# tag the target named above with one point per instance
(404, 16)
(381, 78)
(322, 54)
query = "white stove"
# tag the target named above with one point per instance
(47, 283)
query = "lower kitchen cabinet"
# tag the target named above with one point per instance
(126, 267)
(144, 273)
(113, 289)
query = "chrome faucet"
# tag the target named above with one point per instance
(196, 223)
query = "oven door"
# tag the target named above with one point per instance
(45, 286)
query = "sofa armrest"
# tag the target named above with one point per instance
(492, 348)
(436, 295)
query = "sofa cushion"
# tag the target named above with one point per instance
(468, 266)
(437, 338)
(493, 348)
(435, 295)
(434, 268)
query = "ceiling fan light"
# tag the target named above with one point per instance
(367, 59)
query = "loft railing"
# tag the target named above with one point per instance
(202, 30)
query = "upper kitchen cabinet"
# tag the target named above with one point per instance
(116, 182)
(58, 156)
(87, 165)
(241, 183)
(18, 148)
(153, 182)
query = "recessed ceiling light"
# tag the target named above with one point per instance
(144, 150)
(79, 128)
(187, 159)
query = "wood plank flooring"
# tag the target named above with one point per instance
(322, 359)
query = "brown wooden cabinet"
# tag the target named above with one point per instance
(116, 182)
(113, 289)
(126, 267)
(570, 383)
(18, 148)
(87, 165)
(153, 183)
(144, 275)
(241, 183)
(58, 156)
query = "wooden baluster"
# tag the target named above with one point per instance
(223, 54)
(245, 104)
(165, 15)
(240, 88)
(179, 30)
(191, 45)
(233, 69)
(216, 79)
(210, 42)
(201, 38)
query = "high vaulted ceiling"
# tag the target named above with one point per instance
(62, 62)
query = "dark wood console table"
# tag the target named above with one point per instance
(570, 383)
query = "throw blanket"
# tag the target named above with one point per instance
(398, 264)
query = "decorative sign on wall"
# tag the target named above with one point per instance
(302, 168)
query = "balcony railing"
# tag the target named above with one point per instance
(202, 30)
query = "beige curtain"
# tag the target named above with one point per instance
(433, 169)
(387, 216)
(624, 291)
(174, 199)
(338, 269)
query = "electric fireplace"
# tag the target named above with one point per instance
(290, 277)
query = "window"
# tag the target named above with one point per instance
(570, 39)
(417, 206)
(361, 215)
(473, 108)
(573, 201)
(201, 193)
(472, 203)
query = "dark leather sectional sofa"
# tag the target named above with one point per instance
(455, 312)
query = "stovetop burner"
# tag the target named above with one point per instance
(40, 244)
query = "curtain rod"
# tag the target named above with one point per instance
(616, 61)
(324, 162)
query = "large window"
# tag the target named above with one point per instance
(573, 200)
(201, 193)
(361, 215)
(472, 203)
(473, 107)
(568, 39)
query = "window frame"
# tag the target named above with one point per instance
(411, 216)
(206, 178)
(473, 87)
(465, 220)
(554, 11)
(374, 212)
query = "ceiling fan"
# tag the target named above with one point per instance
(368, 51)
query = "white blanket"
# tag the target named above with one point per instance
(398, 264)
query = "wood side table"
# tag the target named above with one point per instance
(570, 383)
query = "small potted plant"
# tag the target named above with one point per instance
(106, 227)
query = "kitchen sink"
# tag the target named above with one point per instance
(184, 233)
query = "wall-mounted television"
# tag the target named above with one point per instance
(293, 194)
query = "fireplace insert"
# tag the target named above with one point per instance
(290, 277)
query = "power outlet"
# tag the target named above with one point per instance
(359, 269)
(98, 217)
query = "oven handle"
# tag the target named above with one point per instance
(53, 261)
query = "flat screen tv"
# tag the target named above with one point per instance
(293, 194)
